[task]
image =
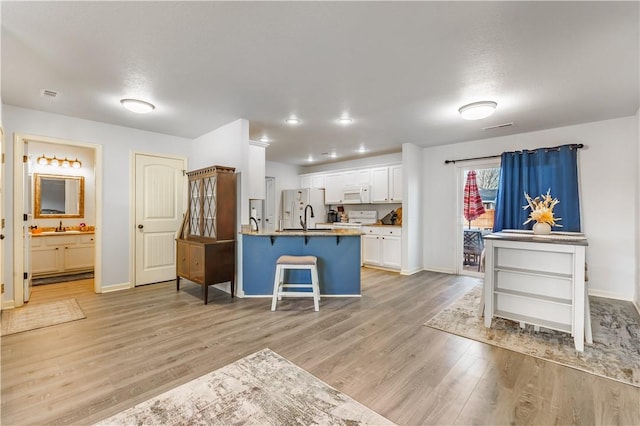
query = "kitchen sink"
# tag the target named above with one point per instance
(308, 230)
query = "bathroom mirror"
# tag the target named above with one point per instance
(58, 196)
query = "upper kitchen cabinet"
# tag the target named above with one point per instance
(312, 181)
(386, 184)
(256, 170)
(357, 178)
(333, 188)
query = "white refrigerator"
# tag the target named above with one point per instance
(294, 202)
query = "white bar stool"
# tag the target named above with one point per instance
(296, 262)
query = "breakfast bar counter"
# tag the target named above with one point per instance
(338, 253)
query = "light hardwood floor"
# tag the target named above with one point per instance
(138, 343)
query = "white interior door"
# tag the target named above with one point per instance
(159, 208)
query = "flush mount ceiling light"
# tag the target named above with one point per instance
(345, 121)
(293, 121)
(137, 106)
(265, 139)
(477, 110)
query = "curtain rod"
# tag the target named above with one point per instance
(571, 146)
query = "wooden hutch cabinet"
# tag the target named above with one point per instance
(206, 246)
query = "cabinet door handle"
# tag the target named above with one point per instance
(57, 248)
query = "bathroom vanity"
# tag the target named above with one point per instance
(61, 253)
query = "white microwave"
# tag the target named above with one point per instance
(358, 194)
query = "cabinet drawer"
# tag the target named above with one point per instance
(371, 230)
(86, 239)
(391, 231)
(36, 242)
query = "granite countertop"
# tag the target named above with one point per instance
(70, 232)
(310, 233)
(570, 238)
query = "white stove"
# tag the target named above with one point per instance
(357, 218)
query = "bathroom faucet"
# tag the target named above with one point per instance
(60, 228)
(304, 222)
(254, 221)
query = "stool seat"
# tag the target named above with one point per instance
(297, 260)
(280, 288)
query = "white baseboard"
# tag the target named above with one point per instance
(440, 270)
(115, 287)
(411, 271)
(8, 304)
(608, 295)
(637, 306)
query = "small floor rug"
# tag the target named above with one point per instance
(31, 317)
(62, 278)
(615, 352)
(260, 389)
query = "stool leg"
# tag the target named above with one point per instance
(276, 287)
(316, 288)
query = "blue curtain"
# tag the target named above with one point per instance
(535, 172)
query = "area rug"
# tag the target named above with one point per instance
(260, 389)
(615, 352)
(30, 317)
(62, 278)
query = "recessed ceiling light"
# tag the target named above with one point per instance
(333, 155)
(345, 121)
(265, 139)
(292, 120)
(477, 110)
(137, 106)
(310, 158)
(362, 149)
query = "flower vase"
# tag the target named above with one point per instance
(541, 228)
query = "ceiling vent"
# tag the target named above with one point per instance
(499, 126)
(46, 93)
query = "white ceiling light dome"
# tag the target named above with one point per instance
(477, 110)
(138, 106)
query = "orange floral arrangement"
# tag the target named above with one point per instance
(542, 209)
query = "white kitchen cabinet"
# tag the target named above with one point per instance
(357, 177)
(333, 188)
(62, 254)
(380, 185)
(381, 246)
(395, 184)
(386, 184)
(317, 181)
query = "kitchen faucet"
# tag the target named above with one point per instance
(254, 221)
(304, 222)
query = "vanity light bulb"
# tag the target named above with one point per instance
(65, 163)
(55, 162)
(43, 160)
(76, 164)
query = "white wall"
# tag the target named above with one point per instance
(118, 144)
(637, 191)
(412, 208)
(608, 179)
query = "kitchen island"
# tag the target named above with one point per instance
(338, 253)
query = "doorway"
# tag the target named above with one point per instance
(475, 221)
(159, 196)
(52, 154)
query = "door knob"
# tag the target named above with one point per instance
(1, 236)
(140, 226)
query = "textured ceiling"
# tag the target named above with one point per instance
(401, 70)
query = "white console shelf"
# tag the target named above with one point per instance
(538, 280)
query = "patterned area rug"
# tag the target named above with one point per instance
(260, 389)
(31, 317)
(62, 278)
(615, 352)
